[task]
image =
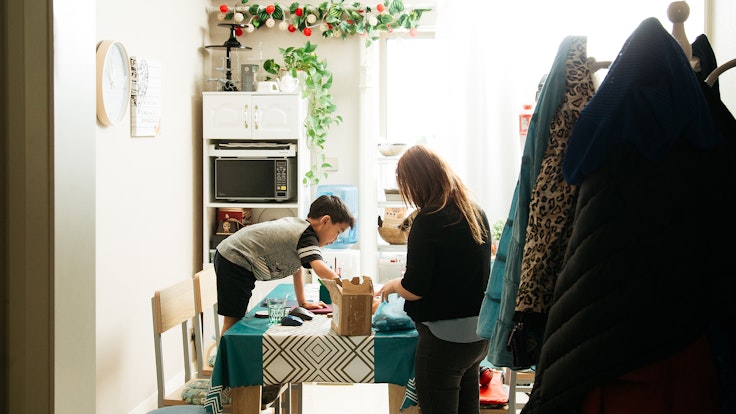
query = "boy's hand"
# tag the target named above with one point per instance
(313, 305)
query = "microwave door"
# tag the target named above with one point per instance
(255, 179)
(244, 179)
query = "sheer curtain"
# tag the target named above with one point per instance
(476, 125)
(496, 53)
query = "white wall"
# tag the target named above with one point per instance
(74, 208)
(148, 198)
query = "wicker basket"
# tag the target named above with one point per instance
(393, 235)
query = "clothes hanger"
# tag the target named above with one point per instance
(713, 76)
(678, 12)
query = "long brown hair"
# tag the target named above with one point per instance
(427, 181)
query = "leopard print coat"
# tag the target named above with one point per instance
(553, 201)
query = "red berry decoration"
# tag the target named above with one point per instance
(380, 7)
(270, 9)
(292, 28)
(307, 31)
(223, 8)
(413, 31)
(299, 12)
(238, 31)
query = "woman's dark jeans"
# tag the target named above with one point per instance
(447, 374)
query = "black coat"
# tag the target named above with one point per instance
(649, 266)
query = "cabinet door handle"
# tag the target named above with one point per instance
(246, 117)
(256, 115)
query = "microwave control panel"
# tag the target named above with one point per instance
(282, 179)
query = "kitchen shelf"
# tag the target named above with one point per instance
(391, 247)
(236, 118)
(385, 253)
(391, 204)
(228, 204)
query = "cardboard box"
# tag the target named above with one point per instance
(352, 301)
(393, 216)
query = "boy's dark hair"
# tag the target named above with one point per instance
(333, 206)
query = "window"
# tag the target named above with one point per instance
(410, 81)
(461, 88)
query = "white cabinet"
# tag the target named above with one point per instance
(235, 119)
(244, 115)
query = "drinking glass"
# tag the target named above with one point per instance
(276, 309)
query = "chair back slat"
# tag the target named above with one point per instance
(205, 289)
(205, 298)
(173, 305)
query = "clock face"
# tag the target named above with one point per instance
(113, 82)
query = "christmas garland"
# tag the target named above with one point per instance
(332, 19)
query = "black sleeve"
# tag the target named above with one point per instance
(422, 252)
(308, 248)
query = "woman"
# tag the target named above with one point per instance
(447, 269)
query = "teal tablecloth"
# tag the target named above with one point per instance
(384, 357)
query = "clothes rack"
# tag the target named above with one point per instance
(678, 12)
(595, 65)
(713, 76)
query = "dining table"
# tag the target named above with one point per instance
(254, 353)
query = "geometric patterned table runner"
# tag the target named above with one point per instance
(314, 353)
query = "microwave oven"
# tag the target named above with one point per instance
(255, 179)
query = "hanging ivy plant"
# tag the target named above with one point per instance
(315, 80)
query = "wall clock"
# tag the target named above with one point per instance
(113, 82)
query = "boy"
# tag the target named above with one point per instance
(274, 250)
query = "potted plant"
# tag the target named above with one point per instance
(496, 232)
(315, 82)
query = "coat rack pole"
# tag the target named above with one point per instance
(678, 12)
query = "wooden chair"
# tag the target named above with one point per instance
(518, 381)
(205, 301)
(172, 307)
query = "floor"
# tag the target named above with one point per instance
(343, 398)
(349, 398)
(352, 398)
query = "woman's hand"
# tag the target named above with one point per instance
(313, 305)
(395, 286)
(388, 288)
